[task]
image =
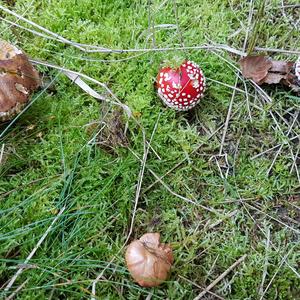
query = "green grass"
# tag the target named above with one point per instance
(48, 162)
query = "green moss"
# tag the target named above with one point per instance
(49, 163)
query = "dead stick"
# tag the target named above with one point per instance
(18, 289)
(20, 271)
(217, 280)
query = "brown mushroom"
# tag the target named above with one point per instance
(18, 80)
(148, 260)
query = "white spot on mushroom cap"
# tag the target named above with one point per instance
(176, 85)
(297, 68)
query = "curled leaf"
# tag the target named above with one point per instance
(262, 69)
(255, 67)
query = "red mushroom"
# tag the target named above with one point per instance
(181, 88)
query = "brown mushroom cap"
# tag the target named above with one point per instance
(18, 79)
(148, 260)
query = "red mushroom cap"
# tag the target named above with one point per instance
(181, 88)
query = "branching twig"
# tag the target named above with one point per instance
(224, 274)
(200, 287)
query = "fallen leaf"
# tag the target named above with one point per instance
(282, 67)
(262, 69)
(274, 78)
(255, 67)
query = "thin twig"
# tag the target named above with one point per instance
(200, 287)
(270, 149)
(284, 51)
(228, 118)
(280, 148)
(17, 290)
(248, 25)
(31, 254)
(229, 215)
(1, 153)
(273, 277)
(294, 165)
(98, 49)
(218, 279)
(273, 246)
(151, 27)
(289, 6)
(265, 270)
(271, 217)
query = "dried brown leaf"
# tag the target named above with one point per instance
(255, 67)
(262, 69)
(274, 78)
(283, 67)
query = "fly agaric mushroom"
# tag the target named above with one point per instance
(18, 79)
(149, 261)
(181, 88)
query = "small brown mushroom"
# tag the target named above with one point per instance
(148, 260)
(18, 80)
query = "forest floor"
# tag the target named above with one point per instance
(218, 182)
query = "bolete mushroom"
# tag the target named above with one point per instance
(148, 260)
(18, 80)
(181, 88)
